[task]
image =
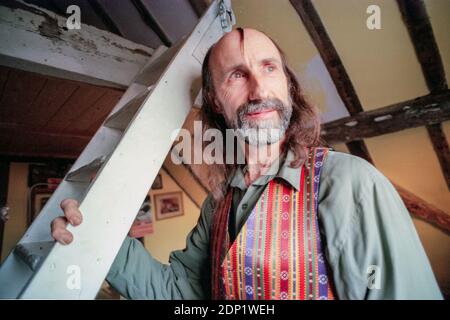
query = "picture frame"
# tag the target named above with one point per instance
(143, 223)
(168, 205)
(157, 184)
(39, 198)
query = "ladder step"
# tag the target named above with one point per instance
(86, 172)
(153, 71)
(33, 253)
(134, 90)
(120, 119)
(38, 267)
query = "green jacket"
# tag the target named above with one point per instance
(371, 244)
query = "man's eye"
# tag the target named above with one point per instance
(237, 75)
(270, 68)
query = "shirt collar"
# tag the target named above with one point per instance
(283, 171)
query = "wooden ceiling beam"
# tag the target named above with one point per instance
(199, 6)
(422, 111)
(17, 156)
(37, 40)
(18, 129)
(419, 27)
(359, 148)
(153, 23)
(373, 121)
(327, 51)
(334, 65)
(421, 209)
(104, 16)
(187, 182)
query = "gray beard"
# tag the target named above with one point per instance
(265, 131)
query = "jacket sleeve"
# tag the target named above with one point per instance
(135, 274)
(374, 249)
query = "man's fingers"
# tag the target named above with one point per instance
(71, 212)
(71, 215)
(60, 232)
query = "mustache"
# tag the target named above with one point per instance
(260, 106)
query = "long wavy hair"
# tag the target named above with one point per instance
(303, 131)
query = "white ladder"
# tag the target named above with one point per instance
(125, 155)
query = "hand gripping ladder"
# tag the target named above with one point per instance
(125, 156)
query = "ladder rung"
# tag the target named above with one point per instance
(33, 253)
(133, 91)
(38, 267)
(86, 172)
(121, 118)
(152, 72)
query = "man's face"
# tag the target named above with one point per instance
(251, 88)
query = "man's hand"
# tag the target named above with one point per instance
(59, 225)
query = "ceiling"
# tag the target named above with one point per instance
(42, 116)
(148, 22)
(48, 117)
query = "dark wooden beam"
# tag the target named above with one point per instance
(380, 120)
(441, 148)
(419, 27)
(420, 30)
(150, 20)
(419, 208)
(24, 129)
(199, 6)
(425, 110)
(13, 158)
(188, 194)
(327, 51)
(38, 155)
(359, 148)
(333, 63)
(107, 20)
(196, 178)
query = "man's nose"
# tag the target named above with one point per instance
(257, 89)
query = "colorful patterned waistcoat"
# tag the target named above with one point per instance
(277, 253)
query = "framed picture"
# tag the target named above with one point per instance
(39, 198)
(143, 224)
(168, 205)
(157, 184)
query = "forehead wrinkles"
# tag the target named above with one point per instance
(224, 51)
(258, 47)
(252, 46)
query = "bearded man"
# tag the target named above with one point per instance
(303, 222)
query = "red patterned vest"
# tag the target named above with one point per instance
(277, 253)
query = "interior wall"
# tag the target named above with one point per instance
(437, 248)
(381, 64)
(414, 166)
(17, 202)
(438, 11)
(384, 69)
(170, 234)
